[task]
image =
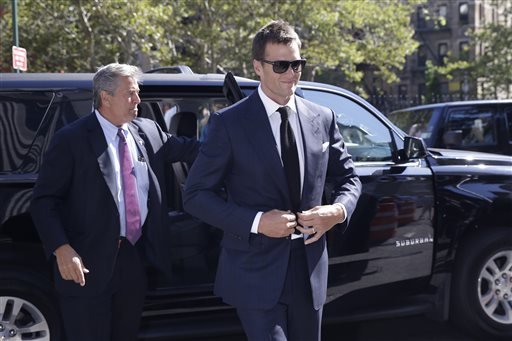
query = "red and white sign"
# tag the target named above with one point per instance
(19, 58)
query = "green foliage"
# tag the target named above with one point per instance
(494, 66)
(349, 37)
(431, 81)
(80, 35)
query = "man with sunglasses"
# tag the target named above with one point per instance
(272, 153)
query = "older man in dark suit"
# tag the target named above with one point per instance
(273, 152)
(99, 200)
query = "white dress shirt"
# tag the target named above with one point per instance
(275, 122)
(139, 164)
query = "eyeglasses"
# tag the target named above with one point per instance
(281, 66)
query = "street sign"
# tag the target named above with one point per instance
(19, 58)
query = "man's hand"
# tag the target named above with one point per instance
(319, 220)
(277, 224)
(70, 264)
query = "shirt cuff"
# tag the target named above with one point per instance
(344, 211)
(256, 222)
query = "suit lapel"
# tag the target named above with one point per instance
(258, 130)
(140, 141)
(312, 143)
(100, 148)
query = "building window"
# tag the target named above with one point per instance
(420, 18)
(464, 50)
(442, 53)
(422, 56)
(464, 89)
(464, 13)
(421, 92)
(443, 88)
(443, 15)
(402, 92)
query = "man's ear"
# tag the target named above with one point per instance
(256, 64)
(105, 98)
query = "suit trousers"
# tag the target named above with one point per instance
(115, 313)
(294, 317)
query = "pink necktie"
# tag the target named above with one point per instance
(131, 201)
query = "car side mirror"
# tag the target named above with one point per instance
(414, 148)
(452, 138)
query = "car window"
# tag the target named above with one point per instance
(21, 114)
(508, 115)
(185, 115)
(417, 123)
(66, 107)
(476, 125)
(366, 137)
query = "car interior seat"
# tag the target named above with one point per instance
(184, 123)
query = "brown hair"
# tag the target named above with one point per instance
(276, 32)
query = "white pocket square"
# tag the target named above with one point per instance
(325, 145)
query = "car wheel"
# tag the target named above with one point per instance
(482, 285)
(27, 313)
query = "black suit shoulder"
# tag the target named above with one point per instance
(75, 133)
(242, 107)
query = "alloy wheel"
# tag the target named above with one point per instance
(21, 320)
(495, 287)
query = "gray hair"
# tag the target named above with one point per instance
(107, 79)
(275, 32)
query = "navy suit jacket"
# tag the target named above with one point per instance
(240, 156)
(74, 197)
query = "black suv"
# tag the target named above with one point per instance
(432, 232)
(482, 126)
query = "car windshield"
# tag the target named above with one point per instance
(417, 123)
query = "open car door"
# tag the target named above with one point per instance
(231, 89)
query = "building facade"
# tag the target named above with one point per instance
(441, 28)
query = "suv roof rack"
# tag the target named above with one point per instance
(171, 69)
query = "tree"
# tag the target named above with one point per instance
(214, 35)
(336, 35)
(351, 38)
(80, 35)
(493, 68)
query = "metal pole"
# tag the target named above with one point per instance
(15, 40)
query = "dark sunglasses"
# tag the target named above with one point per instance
(281, 66)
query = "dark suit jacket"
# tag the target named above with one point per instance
(73, 200)
(240, 155)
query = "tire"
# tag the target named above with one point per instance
(481, 299)
(27, 313)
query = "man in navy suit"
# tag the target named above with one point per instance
(273, 262)
(95, 225)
